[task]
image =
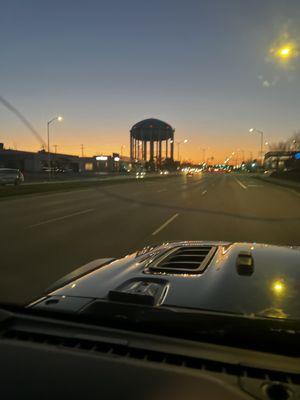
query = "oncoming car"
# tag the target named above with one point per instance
(9, 175)
(140, 174)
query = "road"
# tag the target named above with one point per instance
(46, 236)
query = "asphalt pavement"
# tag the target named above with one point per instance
(43, 237)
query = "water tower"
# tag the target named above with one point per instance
(152, 141)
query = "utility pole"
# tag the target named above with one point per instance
(82, 150)
(55, 147)
(261, 143)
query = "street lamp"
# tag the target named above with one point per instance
(58, 118)
(178, 146)
(261, 141)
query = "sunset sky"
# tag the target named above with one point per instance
(208, 68)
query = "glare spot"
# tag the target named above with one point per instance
(278, 287)
(285, 52)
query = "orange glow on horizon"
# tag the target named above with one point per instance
(189, 154)
(68, 140)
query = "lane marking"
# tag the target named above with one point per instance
(203, 193)
(43, 195)
(255, 185)
(165, 224)
(161, 190)
(240, 183)
(49, 221)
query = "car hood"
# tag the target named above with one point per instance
(239, 278)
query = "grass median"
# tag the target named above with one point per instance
(44, 188)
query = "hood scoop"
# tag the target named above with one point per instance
(184, 260)
(150, 292)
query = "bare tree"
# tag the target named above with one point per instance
(293, 143)
(279, 146)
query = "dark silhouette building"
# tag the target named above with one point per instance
(152, 142)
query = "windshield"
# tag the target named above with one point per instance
(143, 123)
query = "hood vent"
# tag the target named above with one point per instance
(184, 260)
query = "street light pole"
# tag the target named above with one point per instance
(48, 142)
(178, 147)
(261, 142)
(48, 145)
(261, 146)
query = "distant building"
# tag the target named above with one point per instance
(34, 162)
(282, 161)
(112, 163)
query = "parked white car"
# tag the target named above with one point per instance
(10, 175)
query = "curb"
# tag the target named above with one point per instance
(277, 182)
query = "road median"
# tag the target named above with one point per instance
(44, 188)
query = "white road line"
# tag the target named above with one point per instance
(203, 193)
(43, 195)
(161, 190)
(255, 185)
(240, 183)
(49, 221)
(165, 224)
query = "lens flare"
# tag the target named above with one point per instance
(278, 287)
(286, 52)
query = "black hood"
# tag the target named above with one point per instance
(237, 278)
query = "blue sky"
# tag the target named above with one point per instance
(104, 65)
